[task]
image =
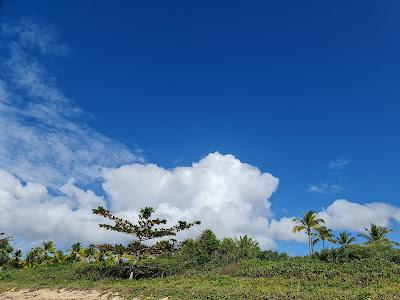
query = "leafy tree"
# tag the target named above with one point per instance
(204, 249)
(5, 249)
(309, 223)
(207, 246)
(377, 234)
(344, 239)
(247, 247)
(228, 250)
(147, 229)
(323, 234)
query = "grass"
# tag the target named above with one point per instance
(253, 279)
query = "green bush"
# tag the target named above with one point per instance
(207, 250)
(373, 251)
(272, 255)
(145, 269)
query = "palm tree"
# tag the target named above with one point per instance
(308, 223)
(17, 255)
(58, 256)
(75, 251)
(323, 234)
(344, 239)
(376, 233)
(48, 248)
(34, 257)
(90, 253)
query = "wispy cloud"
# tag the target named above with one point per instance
(338, 164)
(43, 135)
(324, 188)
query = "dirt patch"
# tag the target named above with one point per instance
(46, 294)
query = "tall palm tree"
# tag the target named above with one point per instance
(344, 239)
(323, 234)
(48, 248)
(309, 223)
(376, 233)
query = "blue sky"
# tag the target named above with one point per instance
(289, 87)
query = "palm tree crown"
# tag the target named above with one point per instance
(48, 248)
(323, 234)
(376, 233)
(344, 239)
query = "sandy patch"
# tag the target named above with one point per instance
(46, 294)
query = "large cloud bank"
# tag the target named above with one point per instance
(227, 195)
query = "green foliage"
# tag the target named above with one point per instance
(376, 233)
(5, 250)
(377, 251)
(207, 268)
(147, 229)
(147, 268)
(291, 278)
(344, 239)
(272, 255)
(208, 250)
(201, 251)
(34, 257)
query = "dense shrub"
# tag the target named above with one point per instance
(373, 251)
(306, 268)
(208, 250)
(150, 268)
(272, 255)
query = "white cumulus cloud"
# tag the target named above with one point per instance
(345, 215)
(227, 195)
(29, 212)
